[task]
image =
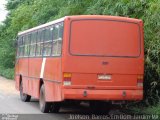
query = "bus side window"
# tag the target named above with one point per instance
(33, 44)
(60, 40)
(47, 42)
(26, 45)
(18, 46)
(57, 39)
(39, 43)
(21, 47)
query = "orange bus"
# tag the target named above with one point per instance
(85, 58)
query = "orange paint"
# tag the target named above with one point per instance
(92, 45)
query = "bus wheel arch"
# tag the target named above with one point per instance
(45, 106)
(20, 80)
(41, 83)
(24, 97)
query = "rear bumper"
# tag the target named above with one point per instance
(82, 94)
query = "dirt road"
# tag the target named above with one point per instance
(10, 103)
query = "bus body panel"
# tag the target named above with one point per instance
(85, 68)
(53, 79)
(53, 91)
(108, 95)
(23, 66)
(16, 74)
(23, 70)
(33, 87)
(34, 76)
(85, 71)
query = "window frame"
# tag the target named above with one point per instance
(56, 40)
(48, 41)
(31, 44)
(28, 40)
(20, 46)
(93, 55)
(41, 41)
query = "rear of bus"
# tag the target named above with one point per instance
(103, 58)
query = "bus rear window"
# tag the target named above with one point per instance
(104, 38)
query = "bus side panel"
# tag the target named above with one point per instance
(34, 87)
(52, 91)
(34, 76)
(23, 70)
(17, 76)
(17, 82)
(52, 79)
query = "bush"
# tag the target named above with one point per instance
(7, 72)
(29, 13)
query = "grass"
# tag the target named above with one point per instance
(7, 72)
(152, 109)
(145, 110)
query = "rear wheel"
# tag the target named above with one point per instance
(44, 106)
(55, 107)
(24, 97)
(100, 106)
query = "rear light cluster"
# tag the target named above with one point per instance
(140, 81)
(67, 79)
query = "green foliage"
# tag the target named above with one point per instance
(152, 110)
(7, 72)
(24, 14)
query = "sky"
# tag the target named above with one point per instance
(3, 11)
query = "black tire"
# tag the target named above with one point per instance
(55, 107)
(94, 106)
(44, 106)
(99, 106)
(24, 97)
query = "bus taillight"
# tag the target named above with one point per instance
(140, 81)
(67, 79)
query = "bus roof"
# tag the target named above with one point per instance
(82, 17)
(42, 26)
